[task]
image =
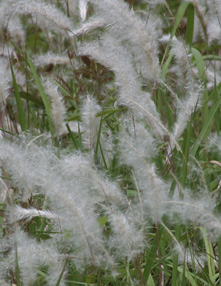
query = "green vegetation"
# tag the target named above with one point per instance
(110, 148)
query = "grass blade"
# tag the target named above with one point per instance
(190, 24)
(21, 114)
(199, 63)
(219, 255)
(215, 106)
(180, 13)
(44, 96)
(151, 255)
(210, 256)
(72, 136)
(98, 140)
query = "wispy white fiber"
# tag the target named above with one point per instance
(32, 254)
(16, 29)
(183, 67)
(72, 8)
(72, 198)
(58, 109)
(11, 24)
(88, 26)
(45, 10)
(191, 259)
(6, 8)
(214, 142)
(51, 58)
(190, 87)
(127, 238)
(186, 108)
(3, 193)
(4, 283)
(207, 21)
(102, 188)
(5, 78)
(137, 146)
(130, 94)
(214, 22)
(83, 9)
(90, 123)
(139, 36)
(21, 213)
(199, 210)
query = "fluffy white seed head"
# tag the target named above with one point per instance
(5, 78)
(83, 9)
(51, 58)
(58, 109)
(128, 237)
(214, 143)
(46, 11)
(192, 259)
(138, 35)
(90, 123)
(120, 61)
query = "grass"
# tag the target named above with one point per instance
(100, 128)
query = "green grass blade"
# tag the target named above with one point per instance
(202, 75)
(150, 281)
(183, 281)
(219, 255)
(210, 256)
(188, 275)
(166, 65)
(21, 114)
(186, 149)
(211, 58)
(190, 24)
(199, 63)
(33, 99)
(62, 273)
(151, 255)
(98, 140)
(8, 132)
(215, 106)
(102, 155)
(44, 96)
(180, 13)
(18, 280)
(175, 259)
(72, 136)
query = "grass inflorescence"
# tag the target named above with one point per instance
(110, 142)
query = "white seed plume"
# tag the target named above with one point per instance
(5, 78)
(130, 94)
(51, 58)
(139, 36)
(45, 10)
(90, 123)
(58, 109)
(83, 9)
(27, 214)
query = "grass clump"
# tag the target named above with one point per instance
(109, 148)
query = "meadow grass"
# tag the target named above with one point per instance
(110, 142)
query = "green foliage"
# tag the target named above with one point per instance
(188, 165)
